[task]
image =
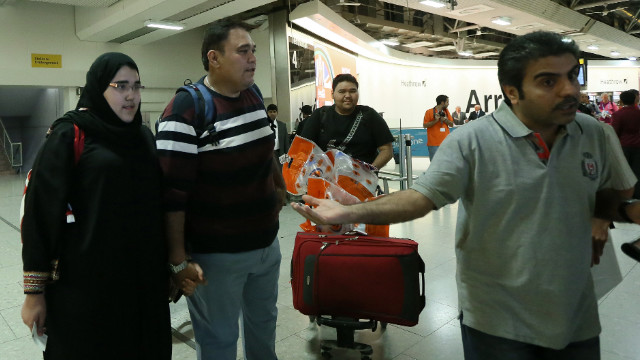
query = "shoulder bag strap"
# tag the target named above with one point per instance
(346, 140)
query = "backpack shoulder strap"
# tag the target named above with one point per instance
(203, 104)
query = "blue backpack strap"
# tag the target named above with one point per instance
(201, 99)
(204, 109)
(209, 105)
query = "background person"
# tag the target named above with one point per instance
(626, 123)
(111, 299)
(477, 113)
(458, 116)
(306, 111)
(222, 202)
(587, 107)
(437, 122)
(607, 108)
(282, 135)
(357, 130)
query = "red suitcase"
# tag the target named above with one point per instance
(358, 276)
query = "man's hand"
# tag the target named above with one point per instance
(189, 278)
(599, 235)
(34, 310)
(324, 212)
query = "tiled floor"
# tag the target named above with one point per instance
(437, 336)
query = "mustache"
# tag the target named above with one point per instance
(569, 100)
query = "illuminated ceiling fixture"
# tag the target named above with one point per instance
(501, 20)
(592, 47)
(465, 53)
(433, 3)
(632, 58)
(615, 53)
(348, 3)
(390, 42)
(164, 25)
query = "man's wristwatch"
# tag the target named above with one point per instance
(177, 268)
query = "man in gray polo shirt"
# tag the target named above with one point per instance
(526, 180)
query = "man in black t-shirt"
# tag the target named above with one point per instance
(356, 130)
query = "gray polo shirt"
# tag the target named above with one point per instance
(523, 233)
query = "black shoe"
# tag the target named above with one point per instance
(632, 249)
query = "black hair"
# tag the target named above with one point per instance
(216, 34)
(272, 107)
(306, 109)
(628, 97)
(441, 98)
(524, 49)
(342, 78)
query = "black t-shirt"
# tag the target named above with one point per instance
(325, 124)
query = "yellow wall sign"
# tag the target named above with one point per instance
(46, 60)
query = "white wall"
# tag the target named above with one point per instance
(406, 92)
(607, 75)
(49, 29)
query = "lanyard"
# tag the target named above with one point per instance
(540, 147)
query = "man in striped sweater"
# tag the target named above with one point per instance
(223, 193)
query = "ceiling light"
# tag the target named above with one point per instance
(615, 53)
(592, 47)
(418, 44)
(632, 58)
(501, 20)
(465, 53)
(433, 3)
(390, 42)
(489, 53)
(443, 48)
(164, 25)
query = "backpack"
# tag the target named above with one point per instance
(78, 147)
(205, 108)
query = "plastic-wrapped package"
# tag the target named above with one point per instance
(355, 176)
(303, 160)
(332, 175)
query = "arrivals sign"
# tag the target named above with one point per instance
(46, 60)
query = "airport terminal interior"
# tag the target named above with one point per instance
(397, 45)
(436, 337)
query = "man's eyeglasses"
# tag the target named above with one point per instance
(125, 87)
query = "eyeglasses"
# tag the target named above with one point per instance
(125, 87)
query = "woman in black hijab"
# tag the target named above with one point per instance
(110, 301)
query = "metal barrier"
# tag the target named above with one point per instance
(11, 149)
(405, 176)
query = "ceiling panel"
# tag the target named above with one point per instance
(87, 3)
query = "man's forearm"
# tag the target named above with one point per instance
(396, 207)
(430, 123)
(385, 153)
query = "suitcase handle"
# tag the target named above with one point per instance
(422, 269)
